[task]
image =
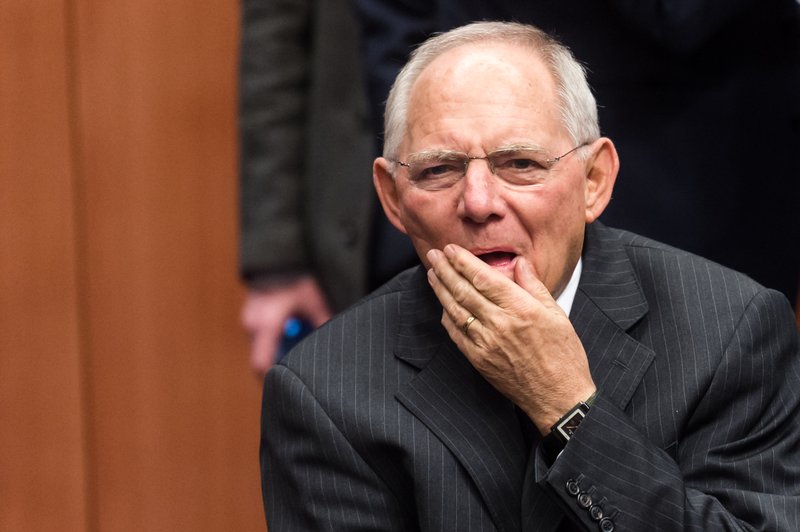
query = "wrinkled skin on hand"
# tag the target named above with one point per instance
(521, 341)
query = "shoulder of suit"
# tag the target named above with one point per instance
(651, 257)
(402, 282)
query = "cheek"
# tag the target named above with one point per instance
(555, 222)
(424, 216)
(554, 210)
(567, 206)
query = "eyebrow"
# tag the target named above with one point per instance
(435, 154)
(518, 147)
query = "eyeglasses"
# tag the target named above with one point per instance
(516, 166)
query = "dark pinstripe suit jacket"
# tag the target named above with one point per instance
(377, 422)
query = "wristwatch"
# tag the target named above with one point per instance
(562, 431)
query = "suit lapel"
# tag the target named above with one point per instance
(463, 410)
(609, 302)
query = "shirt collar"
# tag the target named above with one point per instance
(568, 294)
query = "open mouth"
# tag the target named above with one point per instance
(498, 258)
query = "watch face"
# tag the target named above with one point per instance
(568, 427)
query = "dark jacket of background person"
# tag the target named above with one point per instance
(306, 147)
(702, 99)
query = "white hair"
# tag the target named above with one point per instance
(577, 105)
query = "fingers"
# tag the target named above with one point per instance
(312, 305)
(471, 282)
(526, 278)
(452, 306)
(266, 310)
(467, 324)
(466, 286)
(490, 283)
(477, 287)
(264, 324)
(263, 349)
(459, 299)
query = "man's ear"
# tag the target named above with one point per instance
(602, 168)
(388, 194)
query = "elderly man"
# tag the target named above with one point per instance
(541, 371)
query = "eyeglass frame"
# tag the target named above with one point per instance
(488, 158)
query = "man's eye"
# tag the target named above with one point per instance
(438, 171)
(520, 164)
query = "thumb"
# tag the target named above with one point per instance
(526, 277)
(315, 307)
(311, 303)
(264, 348)
(319, 314)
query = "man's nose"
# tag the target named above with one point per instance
(480, 199)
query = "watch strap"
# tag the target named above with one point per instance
(564, 428)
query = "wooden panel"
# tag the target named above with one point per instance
(174, 407)
(42, 471)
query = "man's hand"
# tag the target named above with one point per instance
(267, 308)
(520, 340)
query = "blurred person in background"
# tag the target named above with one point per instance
(309, 215)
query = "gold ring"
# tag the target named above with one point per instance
(467, 324)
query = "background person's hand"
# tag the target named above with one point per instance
(520, 341)
(267, 308)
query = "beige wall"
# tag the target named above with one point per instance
(126, 402)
